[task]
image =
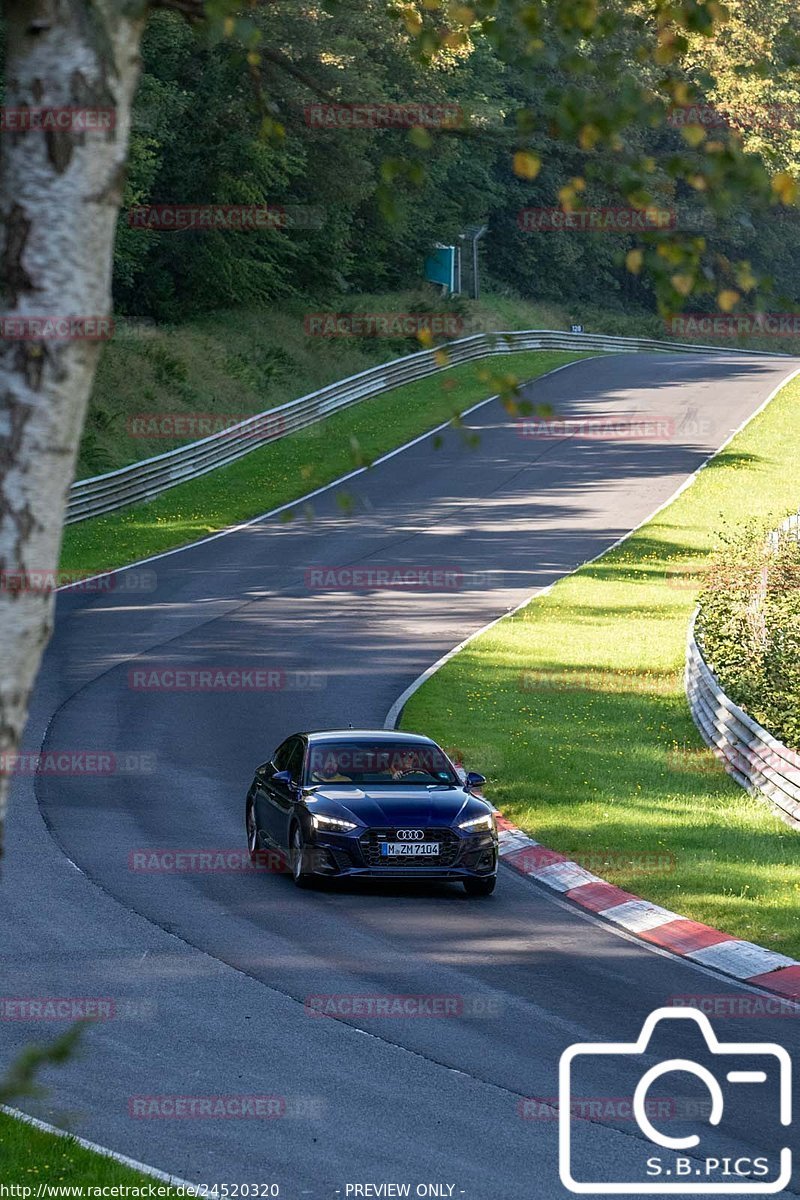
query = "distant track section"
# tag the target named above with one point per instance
(143, 480)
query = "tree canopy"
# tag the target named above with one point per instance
(687, 109)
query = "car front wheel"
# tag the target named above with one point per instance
(252, 830)
(480, 887)
(298, 858)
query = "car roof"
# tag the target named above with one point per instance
(385, 735)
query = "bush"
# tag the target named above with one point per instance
(749, 625)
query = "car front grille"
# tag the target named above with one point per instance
(449, 845)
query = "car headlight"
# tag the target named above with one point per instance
(320, 821)
(478, 823)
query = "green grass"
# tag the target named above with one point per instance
(574, 708)
(30, 1157)
(294, 465)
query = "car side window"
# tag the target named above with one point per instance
(294, 764)
(281, 756)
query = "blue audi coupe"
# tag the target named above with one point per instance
(372, 803)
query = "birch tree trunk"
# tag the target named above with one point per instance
(60, 192)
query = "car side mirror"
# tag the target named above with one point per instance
(282, 777)
(473, 780)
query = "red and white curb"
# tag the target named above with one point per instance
(690, 939)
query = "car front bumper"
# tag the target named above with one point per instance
(467, 856)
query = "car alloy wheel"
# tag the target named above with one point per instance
(297, 855)
(252, 830)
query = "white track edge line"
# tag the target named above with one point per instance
(103, 1151)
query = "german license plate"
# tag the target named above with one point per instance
(410, 849)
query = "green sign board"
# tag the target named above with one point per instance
(440, 267)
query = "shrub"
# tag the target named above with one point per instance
(749, 625)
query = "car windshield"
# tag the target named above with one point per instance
(363, 762)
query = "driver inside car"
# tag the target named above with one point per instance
(408, 765)
(324, 775)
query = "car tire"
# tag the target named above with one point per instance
(298, 857)
(480, 887)
(251, 830)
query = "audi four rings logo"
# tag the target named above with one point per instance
(411, 835)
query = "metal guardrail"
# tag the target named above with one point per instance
(150, 477)
(755, 759)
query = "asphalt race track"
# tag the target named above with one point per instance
(210, 972)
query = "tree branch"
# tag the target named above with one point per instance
(285, 64)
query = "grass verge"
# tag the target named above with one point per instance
(31, 1157)
(287, 469)
(574, 708)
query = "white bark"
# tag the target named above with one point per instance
(59, 197)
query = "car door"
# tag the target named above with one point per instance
(258, 795)
(265, 809)
(279, 797)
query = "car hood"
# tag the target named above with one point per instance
(397, 805)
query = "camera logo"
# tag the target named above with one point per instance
(675, 1171)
